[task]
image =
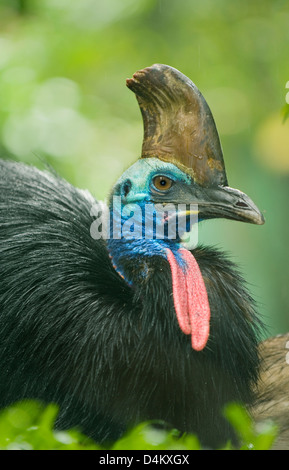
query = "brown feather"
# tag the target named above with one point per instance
(272, 390)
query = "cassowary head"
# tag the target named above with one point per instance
(179, 179)
(182, 160)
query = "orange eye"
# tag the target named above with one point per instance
(162, 183)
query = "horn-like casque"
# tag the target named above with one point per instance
(178, 124)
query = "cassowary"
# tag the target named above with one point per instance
(105, 313)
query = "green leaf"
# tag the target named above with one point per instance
(241, 421)
(148, 437)
(253, 437)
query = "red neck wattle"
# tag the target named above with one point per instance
(190, 298)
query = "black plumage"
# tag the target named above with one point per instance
(73, 332)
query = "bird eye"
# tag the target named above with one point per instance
(162, 183)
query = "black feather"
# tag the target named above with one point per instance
(73, 332)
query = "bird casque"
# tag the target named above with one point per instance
(130, 326)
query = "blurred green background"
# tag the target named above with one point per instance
(63, 100)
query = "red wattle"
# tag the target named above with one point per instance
(190, 298)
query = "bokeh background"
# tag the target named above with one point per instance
(63, 100)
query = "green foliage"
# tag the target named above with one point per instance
(29, 426)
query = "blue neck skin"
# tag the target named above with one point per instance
(136, 233)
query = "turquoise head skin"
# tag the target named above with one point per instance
(141, 175)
